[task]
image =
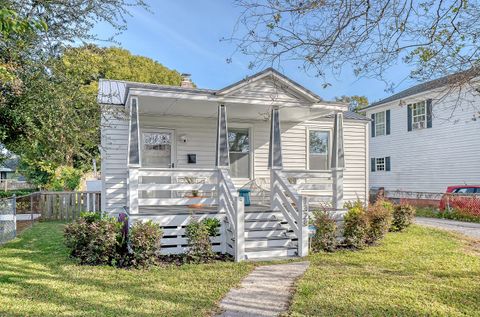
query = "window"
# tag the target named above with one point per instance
(318, 146)
(419, 115)
(380, 123)
(239, 150)
(465, 190)
(380, 164)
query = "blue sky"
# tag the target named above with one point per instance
(185, 35)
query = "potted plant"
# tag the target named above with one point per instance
(194, 193)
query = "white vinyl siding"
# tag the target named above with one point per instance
(431, 159)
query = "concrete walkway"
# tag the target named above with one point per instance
(265, 292)
(468, 229)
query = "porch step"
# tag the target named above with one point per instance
(267, 242)
(270, 252)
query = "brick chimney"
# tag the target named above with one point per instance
(186, 81)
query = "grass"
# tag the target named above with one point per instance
(38, 279)
(430, 212)
(420, 272)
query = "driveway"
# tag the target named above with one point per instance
(468, 229)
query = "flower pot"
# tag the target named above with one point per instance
(196, 205)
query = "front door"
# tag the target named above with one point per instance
(158, 151)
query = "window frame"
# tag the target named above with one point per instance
(329, 150)
(413, 108)
(384, 123)
(377, 164)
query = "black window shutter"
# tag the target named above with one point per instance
(372, 164)
(429, 113)
(387, 123)
(409, 111)
(387, 163)
(373, 125)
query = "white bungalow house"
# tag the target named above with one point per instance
(182, 151)
(425, 138)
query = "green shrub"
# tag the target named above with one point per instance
(355, 226)
(379, 219)
(65, 178)
(200, 248)
(325, 235)
(93, 242)
(144, 241)
(403, 216)
(213, 226)
(90, 217)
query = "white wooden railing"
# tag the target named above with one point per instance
(318, 185)
(293, 206)
(176, 189)
(233, 206)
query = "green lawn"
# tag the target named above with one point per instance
(420, 272)
(38, 279)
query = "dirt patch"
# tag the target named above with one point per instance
(472, 246)
(22, 225)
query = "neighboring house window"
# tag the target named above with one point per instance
(318, 150)
(381, 123)
(380, 164)
(420, 115)
(239, 151)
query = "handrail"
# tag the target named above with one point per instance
(296, 214)
(229, 200)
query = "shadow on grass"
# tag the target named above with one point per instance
(37, 278)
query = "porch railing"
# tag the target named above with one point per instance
(233, 206)
(182, 181)
(317, 185)
(293, 206)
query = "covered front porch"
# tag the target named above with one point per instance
(189, 154)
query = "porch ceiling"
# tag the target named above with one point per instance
(239, 111)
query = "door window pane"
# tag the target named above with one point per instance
(156, 149)
(239, 150)
(318, 150)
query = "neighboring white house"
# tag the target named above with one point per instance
(168, 152)
(426, 138)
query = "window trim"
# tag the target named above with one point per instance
(384, 123)
(425, 120)
(329, 154)
(377, 164)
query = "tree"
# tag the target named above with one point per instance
(434, 37)
(55, 121)
(355, 103)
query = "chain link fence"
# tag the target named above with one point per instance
(8, 221)
(467, 204)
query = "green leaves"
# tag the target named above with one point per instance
(11, 23)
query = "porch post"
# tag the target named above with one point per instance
(338, 161)
(133, 157)
(222, 158)
(275, 146)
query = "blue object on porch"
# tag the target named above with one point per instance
(245, 193)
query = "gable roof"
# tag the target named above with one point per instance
(276, 75)
(426, 86)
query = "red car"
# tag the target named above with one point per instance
(469, 190)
